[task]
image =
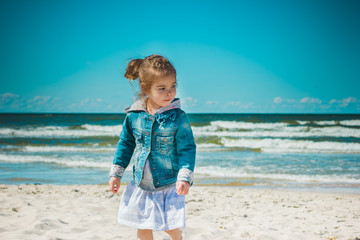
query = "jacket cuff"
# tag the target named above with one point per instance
(186, 175)
(116, 171)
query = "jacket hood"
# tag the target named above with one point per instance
(140, 106)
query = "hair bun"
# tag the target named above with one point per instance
(132, 70)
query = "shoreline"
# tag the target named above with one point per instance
(314, 188)
(29, 211)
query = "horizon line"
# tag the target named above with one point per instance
(186, 113)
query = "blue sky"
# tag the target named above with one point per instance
(231, 56)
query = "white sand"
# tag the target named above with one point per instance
(89, 212)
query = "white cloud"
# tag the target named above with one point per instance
(310, 100)
(232, 104)
(89, 104)
(6, 96)
(290, 100)
(277, 100)
(212, 102)
(248, 105)
(344, 102)
(10, 100)
(84, 101)
(95, 104)
(40, 99)
(309, 104)
(238, 105)
(189, 102)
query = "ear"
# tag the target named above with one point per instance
(143, 88)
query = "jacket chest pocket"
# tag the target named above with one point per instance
(164, 144)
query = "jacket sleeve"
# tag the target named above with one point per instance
(186, 148)
(124, 150)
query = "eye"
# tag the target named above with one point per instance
(161, 89)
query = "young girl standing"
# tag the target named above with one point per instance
(157, 135)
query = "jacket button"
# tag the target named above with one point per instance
(165, 139)
(157, 183)
(147, 133)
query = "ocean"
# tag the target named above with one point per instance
(284, 151)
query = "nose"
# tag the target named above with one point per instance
(168, 92)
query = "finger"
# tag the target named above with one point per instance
(115, 187)
(186, 190)
(111, 186)
(179, 189)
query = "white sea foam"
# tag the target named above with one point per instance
(209, 147)
(354, 122)
(233, 172)
(326, 122)
(103, 129)
(75, 161)
(278, 131)
(65, 149)
(204, 147)
(293, 146)
(302, 122)
(350, 122)
(58, 131)
(246, 125)
(216, 128)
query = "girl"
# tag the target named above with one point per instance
(157, 135)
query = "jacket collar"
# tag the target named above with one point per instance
(140, 106)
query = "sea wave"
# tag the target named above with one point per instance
(353, 122)
(204, 147)
(84, 130)
(214, 128)
(34, 149)
(76, 161)
(278, 130)
(209, 147)
(246, 125)
(244, 172)
(350, 122)
(292, 146)
(259, 125)
(270, 145)
(234, 172)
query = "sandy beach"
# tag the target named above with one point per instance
(89, 212)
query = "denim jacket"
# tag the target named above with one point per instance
(165, 139)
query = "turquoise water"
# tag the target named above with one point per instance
(254, 150)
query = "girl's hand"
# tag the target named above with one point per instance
(114, 184)
(182, 187)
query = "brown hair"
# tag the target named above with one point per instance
(149, 70)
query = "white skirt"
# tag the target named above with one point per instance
(160, 210)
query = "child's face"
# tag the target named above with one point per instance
(162, 92)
